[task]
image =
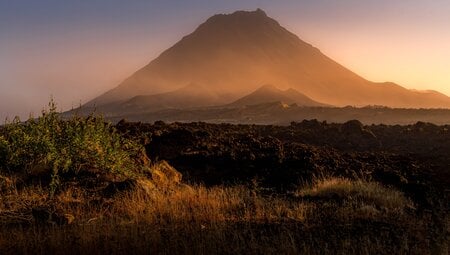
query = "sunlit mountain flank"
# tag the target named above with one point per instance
(231, 55)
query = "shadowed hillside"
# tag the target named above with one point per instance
(186, 97)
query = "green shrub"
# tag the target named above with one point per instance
(59, 146)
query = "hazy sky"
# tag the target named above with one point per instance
(76, 50)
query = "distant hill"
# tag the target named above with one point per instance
(270, 93)
(230, 56)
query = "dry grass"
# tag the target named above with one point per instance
(198, 220)
(366, 193)
(207, 205)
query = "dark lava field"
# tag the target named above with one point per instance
(414, 158)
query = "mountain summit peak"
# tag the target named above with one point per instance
(240, 18)
(261, 11)
(256, 13)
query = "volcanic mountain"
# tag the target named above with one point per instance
(235, 54)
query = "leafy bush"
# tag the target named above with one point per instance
(57, 146)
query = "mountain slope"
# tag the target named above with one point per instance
(270, 94)
(235, 54)
(189, 96)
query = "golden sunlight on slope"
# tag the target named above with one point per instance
(236, 54)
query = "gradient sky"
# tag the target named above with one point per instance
(76, 50)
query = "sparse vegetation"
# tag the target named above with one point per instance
(49, 145)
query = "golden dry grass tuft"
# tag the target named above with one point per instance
(199, 204)
(182, 219)
(367, 193)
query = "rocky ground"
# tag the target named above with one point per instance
(235, 177)
(284, 155)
